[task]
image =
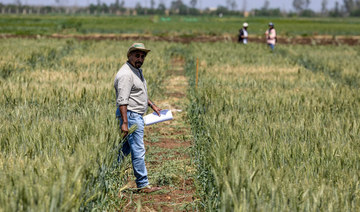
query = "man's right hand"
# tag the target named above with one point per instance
(125, 129)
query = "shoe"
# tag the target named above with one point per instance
(148, 189)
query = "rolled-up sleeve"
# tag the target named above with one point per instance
(124, 85)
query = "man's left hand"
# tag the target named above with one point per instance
(156, 109)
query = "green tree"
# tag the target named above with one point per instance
(298, 5)
(324, 6)
(193, 3)
(179, 7)
(17, 2)
(161, 6)
(118, 6)
(231, 4)
(139, 9)
(244, 5)
(336, 11)
(266, 5)
(222, 10)
(152, 4)
(117, 3)
(348, 5)
(351, 5)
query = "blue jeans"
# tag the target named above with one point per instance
(272, 46)
(134, 144)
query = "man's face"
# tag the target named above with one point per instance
(136, 58)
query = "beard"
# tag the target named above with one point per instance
(138, 64)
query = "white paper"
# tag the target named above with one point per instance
(154, 118)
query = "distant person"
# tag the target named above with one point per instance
(243, 34)
(271, 36)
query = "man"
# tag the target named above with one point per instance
(132, 102)
(243, 34)
(271, 36)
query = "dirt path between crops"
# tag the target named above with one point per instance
(168, 154)
(304, 40)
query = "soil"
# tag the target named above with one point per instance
(170, 143)
(166, 143)
(304, 40)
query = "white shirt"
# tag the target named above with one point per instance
(271, 37)
(131, 90)
(245, 40)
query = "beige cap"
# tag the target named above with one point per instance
(137, 46)
(245, 24)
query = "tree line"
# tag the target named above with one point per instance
(179, 7)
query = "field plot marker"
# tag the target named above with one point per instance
(197, 72)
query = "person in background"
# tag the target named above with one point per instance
(271, 36)
(243, 34)
(132, 102)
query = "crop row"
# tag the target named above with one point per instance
(59, 136)
(276, 131)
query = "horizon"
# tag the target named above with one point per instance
(284, 5)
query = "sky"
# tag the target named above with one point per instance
(250, 4)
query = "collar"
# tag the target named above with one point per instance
(132, 67)
(137, 71)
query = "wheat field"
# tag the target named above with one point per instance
(277, 131)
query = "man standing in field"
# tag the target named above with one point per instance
(132, 102)
(243, 34)
(271, 36)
